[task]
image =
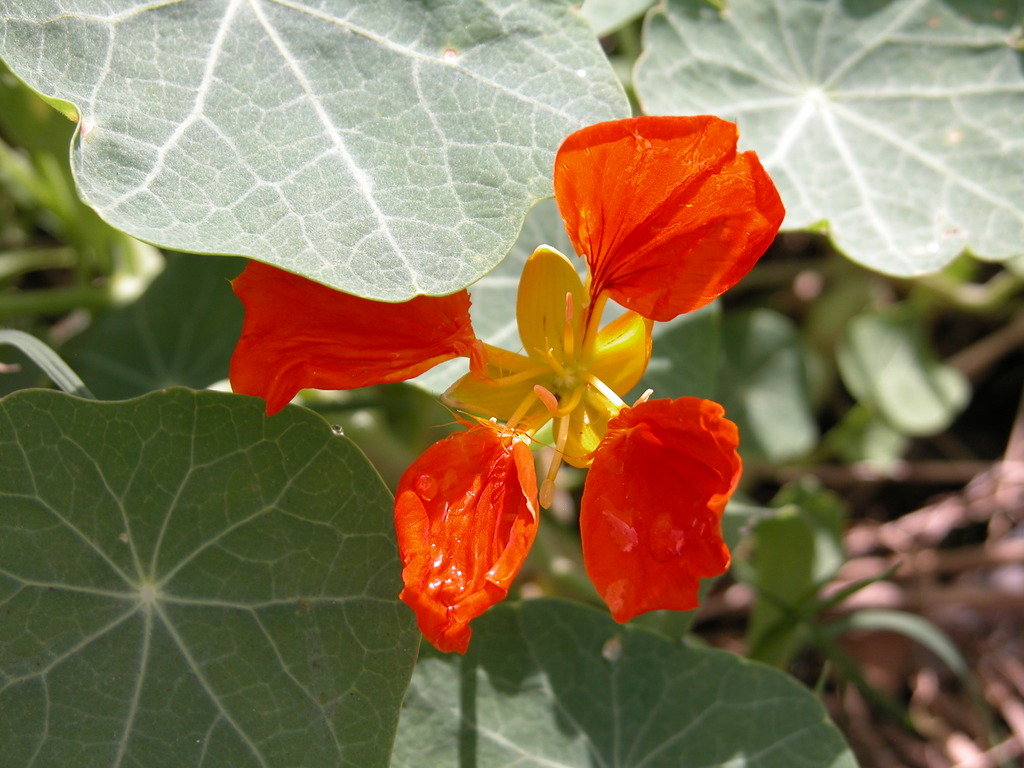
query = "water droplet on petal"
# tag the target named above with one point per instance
(615, 595)
(337, 429)
(668, 542)
(426, 487)
(623, 535)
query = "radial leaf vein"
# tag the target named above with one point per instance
(207, 687)
(363, 181)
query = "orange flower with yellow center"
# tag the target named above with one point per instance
(667, 215)
(571, 372)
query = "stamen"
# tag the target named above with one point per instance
(547, 492)
(517, 415)
(515, 378)
(571, 403)
(603, 388)
(547, 488)
(644, 397)
(568, 342)
(559, 369)
(546, 397)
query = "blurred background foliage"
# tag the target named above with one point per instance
(878, 533)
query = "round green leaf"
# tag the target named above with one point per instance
(549, 684)
(383, 147)
(186, 582)
(896, 124)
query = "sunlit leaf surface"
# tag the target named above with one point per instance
(558, 685)
(381, 146)
(897, 125)
(185, 582)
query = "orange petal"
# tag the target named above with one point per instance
(666, 213)
(466, 516)
(653, 501)
(300, 334)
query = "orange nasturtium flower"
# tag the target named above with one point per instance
(668, 216)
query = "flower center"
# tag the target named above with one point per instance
(573, 372)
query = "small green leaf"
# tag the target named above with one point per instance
(548, 684)
(383, 147)
(863, 437)
(153, 343)
(763, 386)
(909, 625)
(895, 123)
(887, 363)
(186, 582)
(798, 550)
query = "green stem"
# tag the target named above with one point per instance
(54, 301)
(18, 262)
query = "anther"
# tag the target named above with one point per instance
(644, 397)
(547, 492)
(567, 337)
(547, 488)
(546, 397)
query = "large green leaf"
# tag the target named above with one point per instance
(896, 124)
(186, 582)
(152, 343)
(549, 684)
(384, 147)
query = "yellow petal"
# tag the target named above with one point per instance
(587, 424)
(541, 307)
(622, 351)
(511, 381)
